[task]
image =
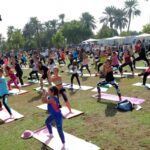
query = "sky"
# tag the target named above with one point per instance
(18, 12)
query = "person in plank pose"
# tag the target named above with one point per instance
(52, 101)
(57, 80)
(109, 79)
(4, 93)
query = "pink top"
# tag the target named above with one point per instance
(85, 61)
(12, 76)
(115, 60)
(148, 70)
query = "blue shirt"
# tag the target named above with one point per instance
(3, 86)
(53, 108)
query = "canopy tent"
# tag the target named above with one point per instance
(143, 35)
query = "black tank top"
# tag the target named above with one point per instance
(109, 77)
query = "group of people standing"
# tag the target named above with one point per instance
(106, 63)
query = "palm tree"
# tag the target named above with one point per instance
(131, 10)
(61, 17)
(120, 21)
(109, 16)
(54, 25)
(88, 20)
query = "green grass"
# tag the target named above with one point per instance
(100, 124)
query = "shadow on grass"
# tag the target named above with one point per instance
(84, 79)
(36, 98)
(110, 110)
(1, 122)
(44, 147)
(72, 92)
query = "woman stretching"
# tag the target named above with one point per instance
(145, 75)
(13, 78)
(4, 93)
(57, 80)
(127, 61)
(50, 98)
(109, 79)
(74, 68)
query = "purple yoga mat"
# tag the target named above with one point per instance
(111, 97)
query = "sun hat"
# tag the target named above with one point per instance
(27, 134)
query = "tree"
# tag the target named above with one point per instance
(106, 32)
(109, 16)
(120, 21)
(54, 25)
(146, 28)
(61, 17)
(58, 40)
(131, 10)
(88, 20)
(74, 32)
(33, 29)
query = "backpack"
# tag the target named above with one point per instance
(125, 105)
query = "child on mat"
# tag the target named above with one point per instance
(109, 79)
(13, 78)
(52, 101)
(74, 68)
(4, 93)
(57, 80)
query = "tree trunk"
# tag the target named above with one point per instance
(129, 23)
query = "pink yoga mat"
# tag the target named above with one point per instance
(4, 115)
(111, 97)
(72, 142)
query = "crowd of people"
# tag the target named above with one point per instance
(105, 62)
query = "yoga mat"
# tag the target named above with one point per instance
(111, 97)
(76, 87)
(4, 115)
(64, 111)
(102, 89)
(72, 142)
(39, 89)
(25, 85)
(17, 92)
(141, 85)
(33, 81)
(130, 73)
(88, 75)
(141, 68)
(119, 76)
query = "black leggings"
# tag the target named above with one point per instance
(20, 78)
(87, 67)
(145, 77)
(125, 64)
(4, 99)
(102, 83)
(141, 58)
(62, 92)
(77, 77)
(34, 72)
(99, 65)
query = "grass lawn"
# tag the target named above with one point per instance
(101, 124)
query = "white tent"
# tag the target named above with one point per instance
(143, 35)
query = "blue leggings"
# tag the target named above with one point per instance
(5, 99)
(58, 120)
